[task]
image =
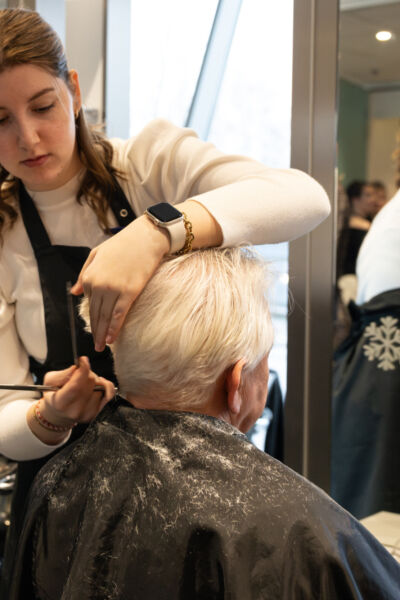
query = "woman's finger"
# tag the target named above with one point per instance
(101, 308)
(59, 378)
(94, 401)
(109, 389)
(121, 308)
(95, 308)
(78, 288)
(79, 382)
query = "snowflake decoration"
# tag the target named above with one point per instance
(384, 343)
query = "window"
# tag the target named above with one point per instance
(168, 42)
(253, 117)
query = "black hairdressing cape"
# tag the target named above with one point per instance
(366, 410)
(157, 505)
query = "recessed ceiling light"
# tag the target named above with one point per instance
(383, 36)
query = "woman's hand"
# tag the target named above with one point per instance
(116, 272)
(75, 401)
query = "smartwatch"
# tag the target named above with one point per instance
(167, 216)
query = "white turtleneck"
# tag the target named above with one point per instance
(378, 261)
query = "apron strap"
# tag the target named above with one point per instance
(33, 224)
(36, 231)
(120, 206)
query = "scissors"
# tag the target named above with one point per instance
(72, 328)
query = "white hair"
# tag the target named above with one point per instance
(197, 316)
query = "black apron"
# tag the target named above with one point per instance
(57, 265)
(366, 409)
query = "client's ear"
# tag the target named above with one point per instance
(232, 385)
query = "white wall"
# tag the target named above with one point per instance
(384, 105)
(383, 127)
(84, 44)
(118, 52)
(381, 144)
(54, 13)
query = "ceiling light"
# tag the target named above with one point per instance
(383, 36)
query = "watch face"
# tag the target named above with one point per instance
(164, 212)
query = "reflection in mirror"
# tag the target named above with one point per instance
(366, 379)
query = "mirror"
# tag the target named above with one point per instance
(366, 378)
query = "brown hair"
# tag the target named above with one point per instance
(25, 38)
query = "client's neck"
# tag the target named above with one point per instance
(215, 406)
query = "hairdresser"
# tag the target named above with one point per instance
(72, 207)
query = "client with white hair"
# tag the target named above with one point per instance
(164, 497)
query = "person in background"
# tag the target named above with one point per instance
(381, 196)
(361, 206)
(77, 207)
(361, 209)
(163, 496)
(366, 380)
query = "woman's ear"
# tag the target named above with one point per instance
(76, 91)
(233, 395)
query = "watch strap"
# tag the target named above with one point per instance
(177, 235)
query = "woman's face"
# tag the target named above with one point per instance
(37, 127)
(366, 203)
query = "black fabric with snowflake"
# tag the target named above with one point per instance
(366, 410)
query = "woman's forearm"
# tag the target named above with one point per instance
(51, 438)
(17, 440)
(267, 210)
(206, 230)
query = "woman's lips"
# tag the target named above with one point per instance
(38, 161)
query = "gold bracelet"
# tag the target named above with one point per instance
(189, 236)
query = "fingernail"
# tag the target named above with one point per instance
(109, 339)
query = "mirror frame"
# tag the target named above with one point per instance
(312, 257)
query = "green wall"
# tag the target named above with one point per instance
(352, 132)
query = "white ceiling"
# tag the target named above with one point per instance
(362, 59)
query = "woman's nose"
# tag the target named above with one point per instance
(27, 134)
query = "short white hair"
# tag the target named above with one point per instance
(197, 316)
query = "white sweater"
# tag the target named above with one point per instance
(164, 163)
(378, 261)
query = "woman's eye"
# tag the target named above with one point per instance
(3, 120)
(42, 109)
